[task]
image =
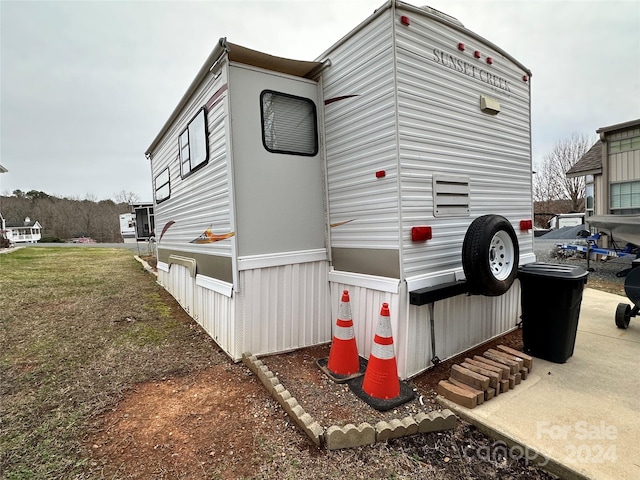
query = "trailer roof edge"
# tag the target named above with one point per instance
(240, 54)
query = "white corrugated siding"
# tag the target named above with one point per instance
(282, 308)
(360, 139)
(279, 308)
(443, 131)
(201, 200)
(461, 323)
(179, 282)
(216, 314)
(213, 312)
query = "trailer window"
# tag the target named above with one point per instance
(162, 186)
(289, 124)
(192, 144)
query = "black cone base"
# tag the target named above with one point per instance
(382, 405)
(336, 377)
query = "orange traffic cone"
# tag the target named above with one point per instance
(343, 363)
(381, 378)
(343, 357)
(381, 388)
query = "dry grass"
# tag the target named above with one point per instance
(79, 326)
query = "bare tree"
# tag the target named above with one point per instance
(551, 183)
(126, 197)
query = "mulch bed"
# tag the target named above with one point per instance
(332, 403)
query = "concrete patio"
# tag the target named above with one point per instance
(583, 416)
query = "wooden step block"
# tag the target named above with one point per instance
(527, 359)
(489, 393)
(486, 366)
(493, 355)
(512, 382)
(456, 394)
(479, 393)
(504, 386)
(506, 371)
(524, 373)
(465, 375)
(518, 378)
(494, 377)
(509, 357)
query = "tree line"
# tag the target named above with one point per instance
(67, 217)
(64, 218)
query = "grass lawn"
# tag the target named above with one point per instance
(78, 327)
(87, 334)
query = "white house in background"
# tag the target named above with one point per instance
(22, 232)
(396, 166)
(2, 222)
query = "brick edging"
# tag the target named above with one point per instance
(146, 266)
(349, 436)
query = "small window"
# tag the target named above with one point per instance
(162, 186)
(624, 145)
(289, 124)
(589, 196)
(192, 144)
(625, 196)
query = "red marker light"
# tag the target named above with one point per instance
(381, 174)
(526, 224)
(525, 78)
(461, 47)
(405, 20)
(421, 234)
(476, 54)
(490, 60)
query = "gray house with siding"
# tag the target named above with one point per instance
(612, 171)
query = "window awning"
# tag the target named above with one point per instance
(247, 56)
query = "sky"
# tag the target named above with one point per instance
(86, 86)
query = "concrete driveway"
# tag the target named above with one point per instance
(582, 416)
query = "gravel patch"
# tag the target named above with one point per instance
(603, 270)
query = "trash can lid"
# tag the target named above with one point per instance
(553, 270)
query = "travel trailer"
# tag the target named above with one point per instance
(566, 220)
(128, 227)
(397, 165)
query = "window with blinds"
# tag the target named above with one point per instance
(289, 124)
(625, 196)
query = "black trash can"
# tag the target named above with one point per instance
(551, 296)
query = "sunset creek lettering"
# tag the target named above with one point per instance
(471, 70)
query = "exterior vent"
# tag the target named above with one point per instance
(450, 196)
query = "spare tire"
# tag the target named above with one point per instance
(490, 255)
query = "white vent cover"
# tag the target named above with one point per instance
(450, 196)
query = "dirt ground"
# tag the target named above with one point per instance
(221, 423)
